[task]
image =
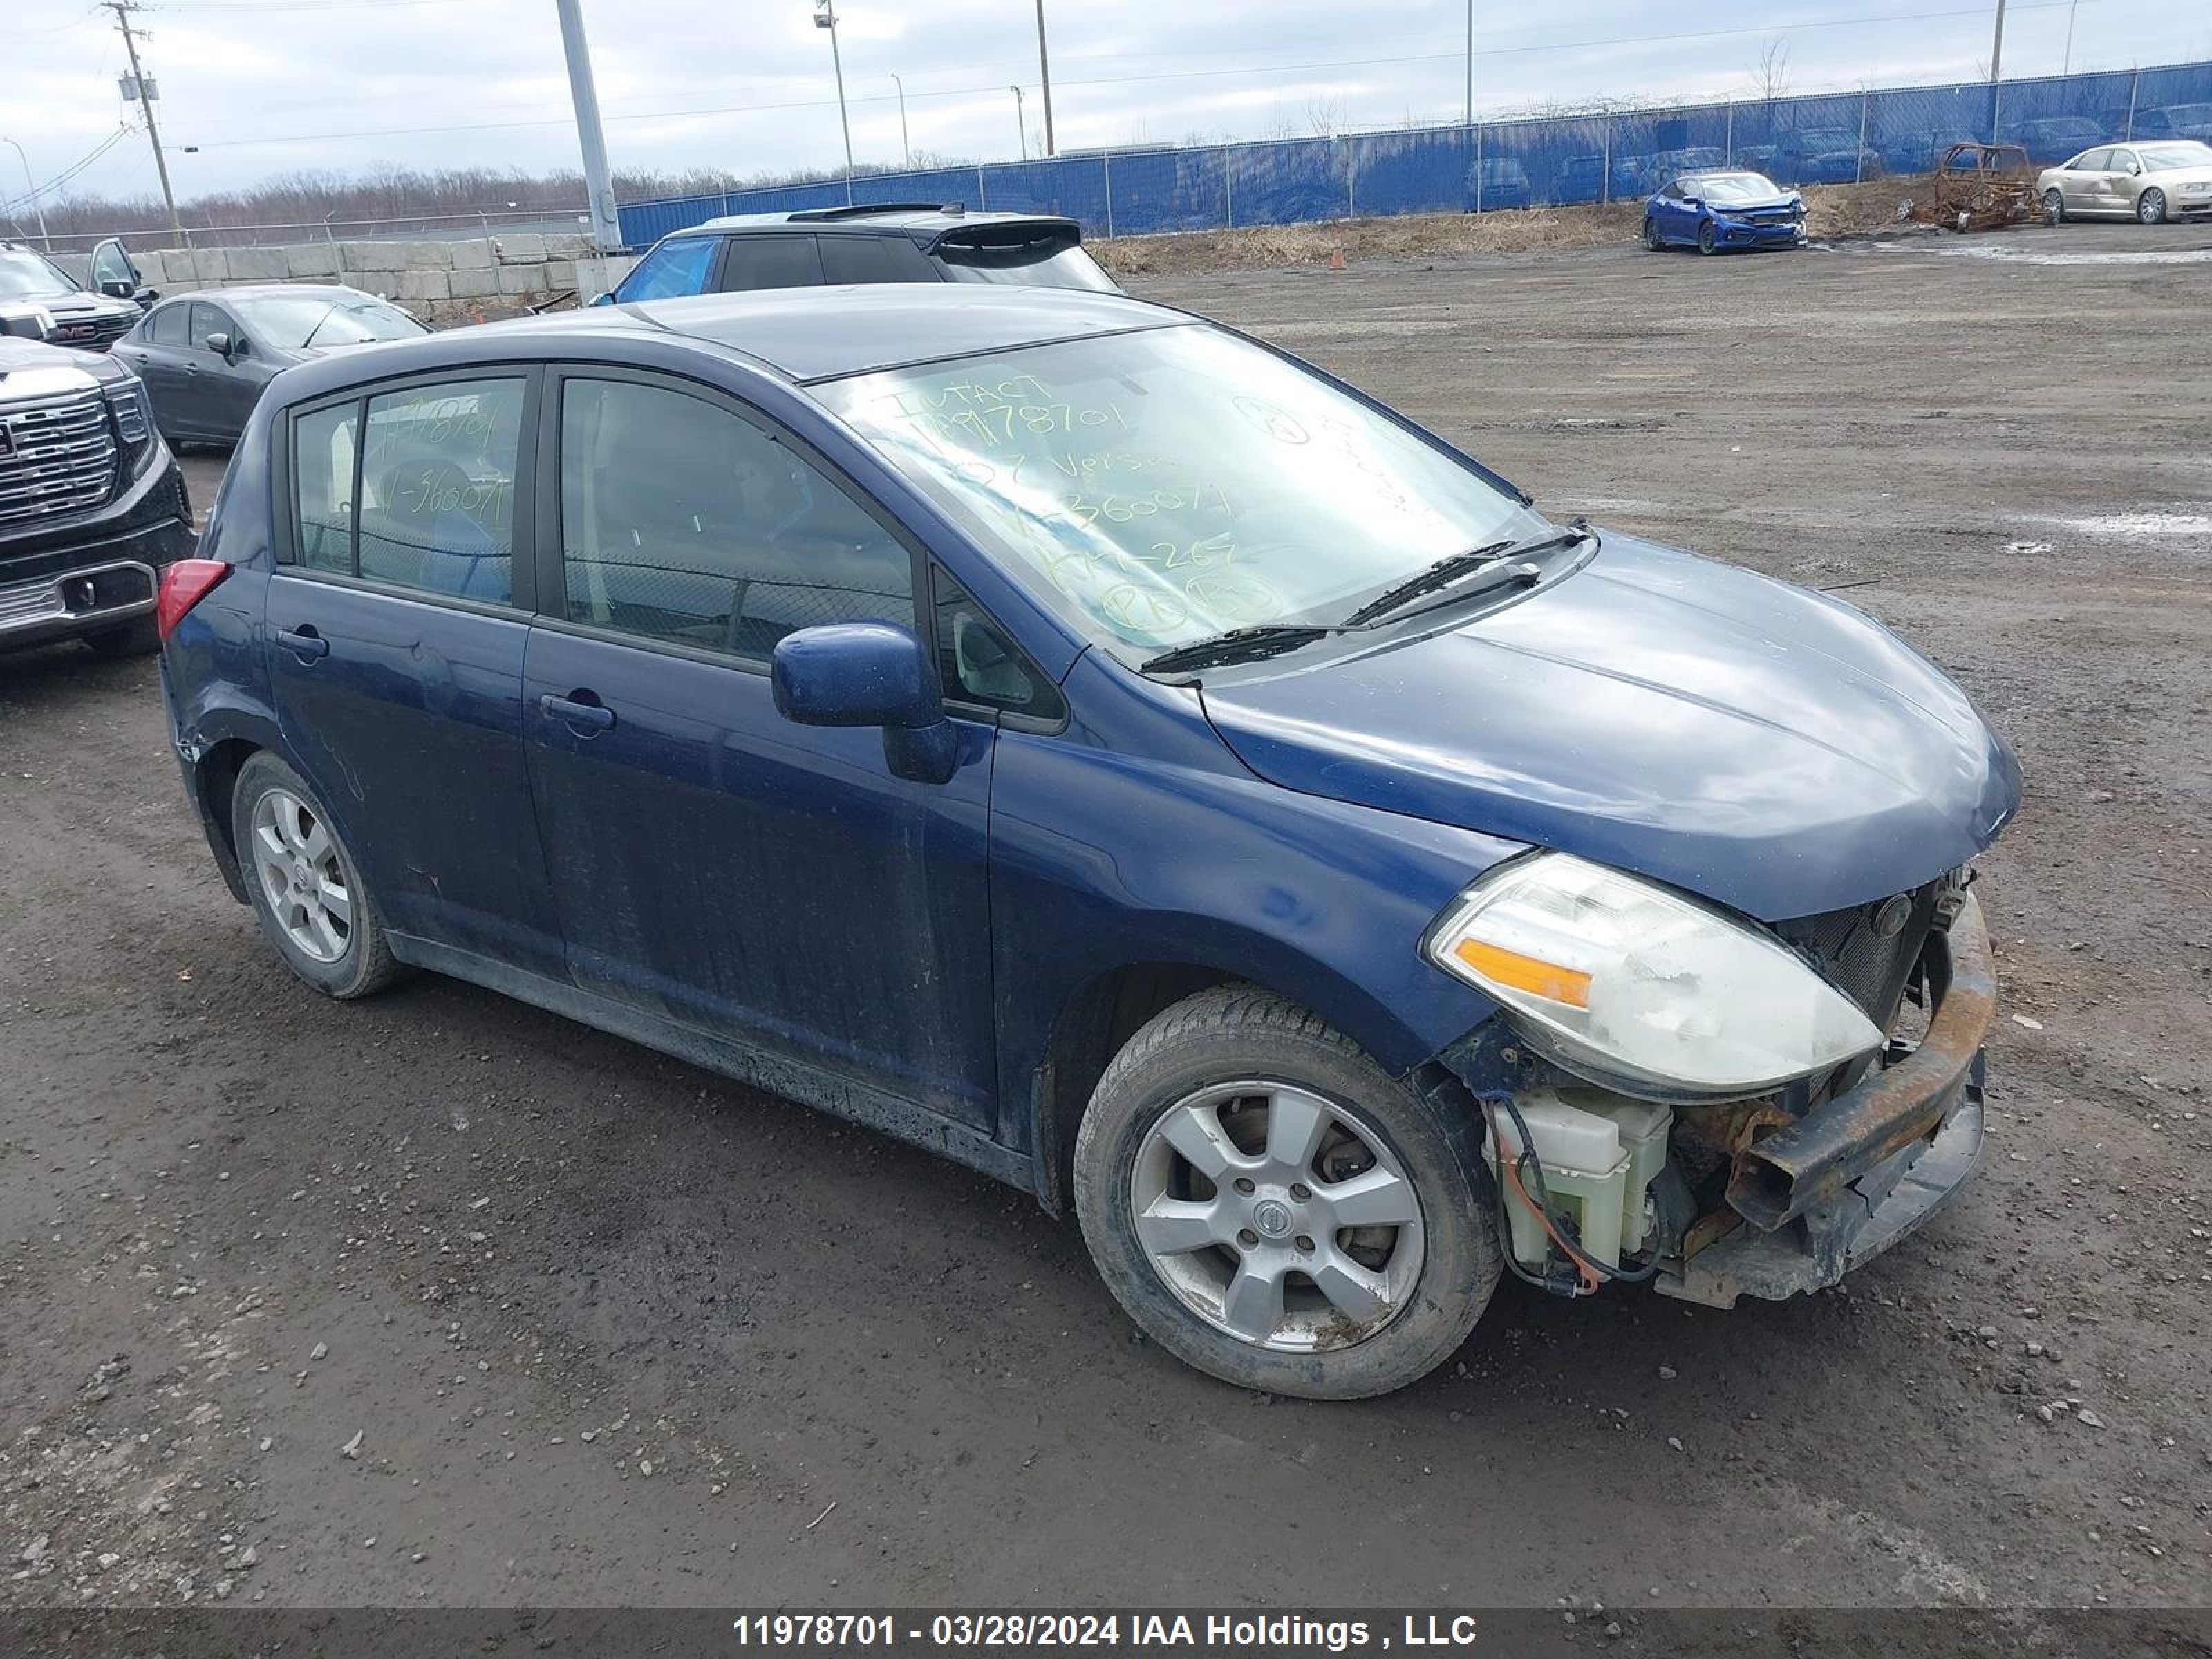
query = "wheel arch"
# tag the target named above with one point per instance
(1097, 1018)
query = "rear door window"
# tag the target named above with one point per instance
(168, 326)
(674, 269)
(681, 522)
(853, 258)
(437, 488)
(323, 444)
(2093, 160)
(771, 262)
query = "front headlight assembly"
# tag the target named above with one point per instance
(1641, 989)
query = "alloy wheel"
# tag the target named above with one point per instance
(1276, 1216)
(302, 878)
(2054, 207)
(2150, 207)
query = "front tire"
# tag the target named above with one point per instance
(306, 891)
(1272, 1207)
(2150, 207)
(1709, 238)
(1651, 237)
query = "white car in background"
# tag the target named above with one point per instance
(2150, 182)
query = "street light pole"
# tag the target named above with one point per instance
(1021, 126)
(905, 149)
(583, 93)
(38, 197)
(1044, 74)
(2067, 67)
(1996, 48)
(825, 17)
(1470, 62)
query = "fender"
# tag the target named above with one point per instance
(1190, 859)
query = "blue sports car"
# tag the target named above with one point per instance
(1714, 212)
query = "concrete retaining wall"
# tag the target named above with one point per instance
(439, 282)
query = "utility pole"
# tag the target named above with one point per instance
(123, 8)
(1996, 72)
(1044, 74)
(599, 186)
(825, 17)
(905, 149)
(1470, 62)
(1021, 126)
(38, 195)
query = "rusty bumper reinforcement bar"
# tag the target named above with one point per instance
(1813, 1159)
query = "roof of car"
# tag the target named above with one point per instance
(269, 290)
(910, 217)
(821, 333)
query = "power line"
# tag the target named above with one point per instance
(1454, 56)
(123, 130)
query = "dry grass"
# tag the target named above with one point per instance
(1832, 211)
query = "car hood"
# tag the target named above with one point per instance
(1764, 205)
(77, 302)
(2178, 176)
(1771, 749)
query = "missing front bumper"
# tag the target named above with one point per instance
(1857, 1174)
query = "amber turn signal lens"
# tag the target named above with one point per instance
(1531, 974)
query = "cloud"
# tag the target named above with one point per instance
(263, 86)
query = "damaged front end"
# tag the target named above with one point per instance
(1770, 1195)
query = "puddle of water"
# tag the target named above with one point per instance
(2131, 525)
(2031, 257)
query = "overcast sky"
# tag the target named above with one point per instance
(263, 86)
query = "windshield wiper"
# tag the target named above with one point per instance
(1448, 569)
(1237, 645)
(319, 321)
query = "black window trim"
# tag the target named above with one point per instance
(991, 713)
(522, 600)
(551, 563)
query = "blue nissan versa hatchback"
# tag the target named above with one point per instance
(1081, 740)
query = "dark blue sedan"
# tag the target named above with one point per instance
(1720, 212)
(1085, 742)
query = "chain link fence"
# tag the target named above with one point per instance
(1817, 138)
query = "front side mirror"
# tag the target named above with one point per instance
(219, 343)
(868, 673)
(116, 288)
(607, 299)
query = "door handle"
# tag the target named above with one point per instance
(594, 714)
(304, 642)
(191, 368)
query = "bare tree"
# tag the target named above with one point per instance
(1324, 116)
(1769, 76)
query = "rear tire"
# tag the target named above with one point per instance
(2054, 207)
(1379, 1253)
(1709, 238)
(134, 639)
(306, 890)
(2150, 207)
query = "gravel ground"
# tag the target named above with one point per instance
(440, 1300)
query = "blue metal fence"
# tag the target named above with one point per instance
(1820, 138)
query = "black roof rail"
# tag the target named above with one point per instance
(862, 210)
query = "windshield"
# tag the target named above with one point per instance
(289, 321)
(1169, 485)
(2164, 158)
(1049, 261)
(25, 276)
(1733, 187)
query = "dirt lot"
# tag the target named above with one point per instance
(438, 1299)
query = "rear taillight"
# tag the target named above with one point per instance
(183, 585)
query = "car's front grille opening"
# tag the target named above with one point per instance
(58, 457)
(1868, 951)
